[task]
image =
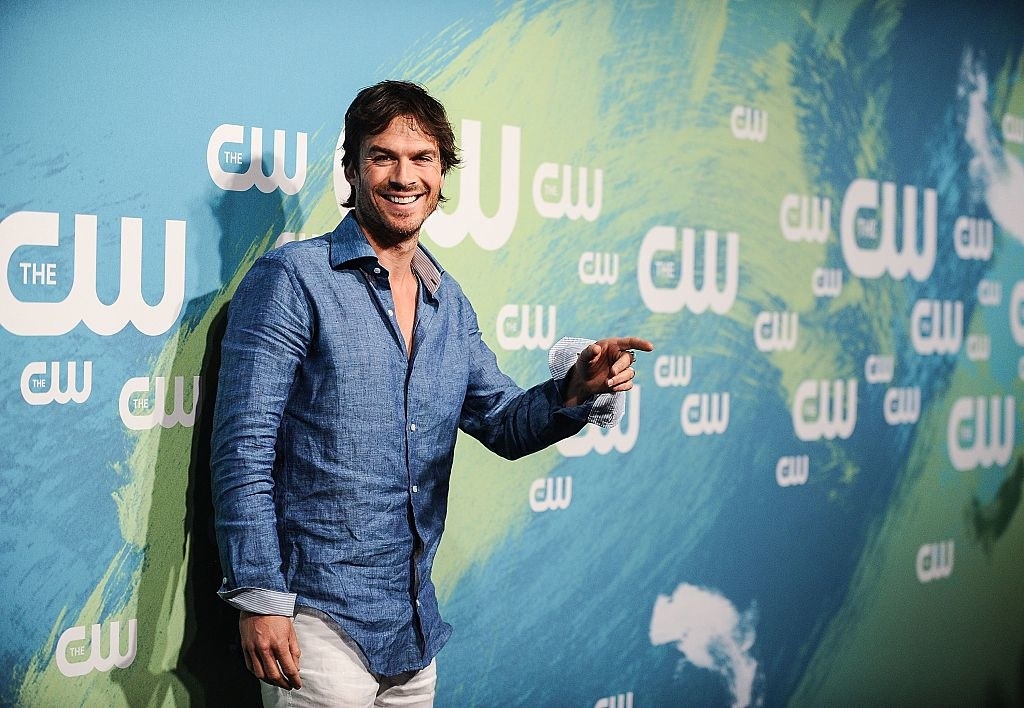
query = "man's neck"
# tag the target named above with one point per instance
(395, 257)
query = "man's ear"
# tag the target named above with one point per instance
(351, 175)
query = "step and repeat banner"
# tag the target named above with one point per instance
(814, 209)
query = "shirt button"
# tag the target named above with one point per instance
(391, 313)
(377, 271)
(417, 603)
(415, 488)
(412, 427)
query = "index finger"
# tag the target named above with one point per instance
(633, 343)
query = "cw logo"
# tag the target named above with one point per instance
(621, 438)
(886, 256)
(602, 268)
(705, 414)
(40, 228)
(545, 185)
(673, 370)
(973, 239)
(902, 405)
(827, 282)
(38, 389)
(551, 493)
(749, 123)
(72, 661)
(803, 218)
(976, 437)
(879, 369)
(792, 470)
(1017, 312)
(141, 412)
(623, 700)
(230, 134)
(776, 331)
(489, 232)
(1013, 128)
(540, 338)
(685, 293)
(937, 326)
(979, 347)
(825, 409)
(935, 561)
(990, 293)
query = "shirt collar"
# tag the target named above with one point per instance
(350, 247)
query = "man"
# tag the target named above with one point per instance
(350, 362)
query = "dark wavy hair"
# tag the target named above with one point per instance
(376, 106)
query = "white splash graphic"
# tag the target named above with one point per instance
(997, 175)
(711, 634)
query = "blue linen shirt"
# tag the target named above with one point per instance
(332, 446)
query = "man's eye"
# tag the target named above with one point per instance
(380, 159)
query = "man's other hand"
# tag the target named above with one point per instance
(271, 649)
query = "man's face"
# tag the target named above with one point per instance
(396, 182)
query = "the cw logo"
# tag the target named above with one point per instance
(879, 369)
(937, 326)
(545, 184)
(902, 405)
(229, 134)
(825, 409)
(990, 293)
(72, 661)
(935, 561)
(973, 239)
(685, 293)
(1017, 312)
(141, 412)
(621, 438)
(863, 194)
(979, 347)
(792, 470)
(776, 331)
(490, 233)
(551, 493)
(827, 282)
(704, 414)
(523, 338)
(749, 123)
(39, 228)
(38, 389)
(598, 268)
(803, 218)
(673, 370)
(980, 432)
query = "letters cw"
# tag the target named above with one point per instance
(622, 700)
(139, 411)
(72, 660)
(833, 409)
(803, 218)
(915, 257)
(749, 123)
(40, 389)
(776, 331)
(937, 326)
(82, 305)
(621, 438)
(514, 330)
(1017, 313)
(935, 561)
(980, 431)
(596, 268)
(792, 470)
(683, 266)
(704, 413)
(230, 134)
(551, 493)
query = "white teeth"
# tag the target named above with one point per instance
(401, 200)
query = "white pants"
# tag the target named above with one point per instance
(335, 673)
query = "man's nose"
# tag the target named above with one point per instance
(403, 174)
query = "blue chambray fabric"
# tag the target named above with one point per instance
(332, 449)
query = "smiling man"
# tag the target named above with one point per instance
(349, 364)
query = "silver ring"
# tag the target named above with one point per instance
(632, 356)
